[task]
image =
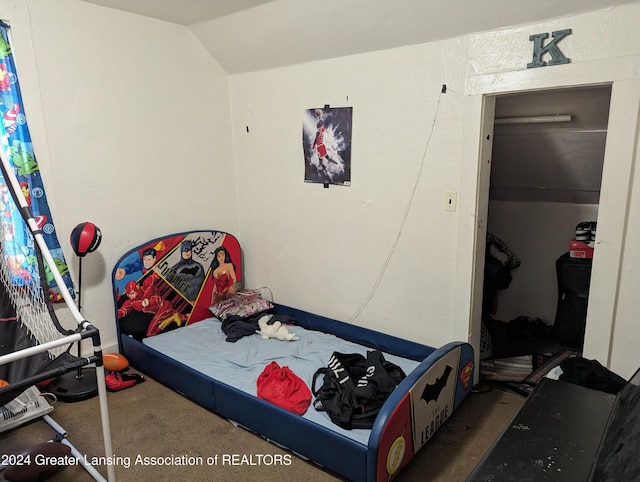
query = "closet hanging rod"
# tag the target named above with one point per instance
(533, 119)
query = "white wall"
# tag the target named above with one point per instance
(325, 249)
(626, 330)
(130, 122)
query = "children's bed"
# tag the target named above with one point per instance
(173, 338)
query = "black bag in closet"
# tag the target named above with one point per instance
(574, 276)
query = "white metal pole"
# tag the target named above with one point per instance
(37, 235)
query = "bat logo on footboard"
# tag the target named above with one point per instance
(433, 396)
(431, 392)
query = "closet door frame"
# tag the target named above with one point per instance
(617, 178)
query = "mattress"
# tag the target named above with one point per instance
(203, 347)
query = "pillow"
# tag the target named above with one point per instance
(244, 303)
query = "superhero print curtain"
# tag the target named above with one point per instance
(326, 141)
(18, 245)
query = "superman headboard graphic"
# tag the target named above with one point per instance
(171, 281)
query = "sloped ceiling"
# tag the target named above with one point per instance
(249, 35)
(183, 12)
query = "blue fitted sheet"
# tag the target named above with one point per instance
(203, 347)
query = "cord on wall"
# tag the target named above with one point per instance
(385, 265)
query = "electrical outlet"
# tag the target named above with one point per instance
(450, 200)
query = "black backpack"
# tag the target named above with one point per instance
(355, 388)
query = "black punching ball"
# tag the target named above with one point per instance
(85, 238)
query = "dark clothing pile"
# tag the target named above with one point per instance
(237, 327)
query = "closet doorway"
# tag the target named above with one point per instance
(546, 171)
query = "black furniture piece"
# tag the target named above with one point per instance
(567, 432)
(574, 276)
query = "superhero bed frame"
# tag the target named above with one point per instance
(185, 348)
(35, 346)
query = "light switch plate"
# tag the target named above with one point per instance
(450, 200)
